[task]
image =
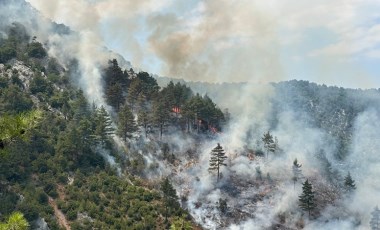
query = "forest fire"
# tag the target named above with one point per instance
(176, 109)
(213, 129)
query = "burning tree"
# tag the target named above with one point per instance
(375, 220)
(217, 159)
(306, 199)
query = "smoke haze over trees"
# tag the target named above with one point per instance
(89, 141)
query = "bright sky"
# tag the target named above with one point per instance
(328, 42)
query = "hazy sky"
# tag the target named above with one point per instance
(331, 42)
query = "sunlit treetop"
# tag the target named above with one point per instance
(15, 126)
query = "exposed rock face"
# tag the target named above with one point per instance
(40, 224)
(18, 68)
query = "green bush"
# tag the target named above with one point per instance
(36, 50)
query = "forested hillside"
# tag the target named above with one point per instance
(55, 145)
(89, 142)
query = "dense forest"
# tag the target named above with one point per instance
(51, 169)
(107, 146)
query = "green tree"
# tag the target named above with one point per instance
(160, 116)
(169, 195)
(143, 88)
(15, 126)
(306, 199)
(195, 106)
(16, 221)
(269, 143)
(69, 143)
(36, 50)
(218, 156)
(127, 124)
(143, 120)
(188, 114)
(375, 220)
(114, 75)
(7, 53)
(41, 85)
(180, 223)
(14, 100)
(104, 127)
(349, 183)
(114, 96)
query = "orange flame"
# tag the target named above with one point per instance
(176, 109)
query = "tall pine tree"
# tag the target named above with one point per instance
(169, 195)
(269, 143)
(306, 199)
(104, 127)
(143, 120)
(161, 116)
(127, 124)
(218, 156)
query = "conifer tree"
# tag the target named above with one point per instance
(160, 116)
(306, 199)
(349, 183)
(375, 220)
(181, 223)
(16, 221)
(269, 143)
(217, 159)
(104, 127)
(114, 96)
(297, 172)
(169, 195)
(127, 124)
(143, 121)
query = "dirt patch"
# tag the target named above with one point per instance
(59, 215)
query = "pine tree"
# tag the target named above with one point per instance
(297, 172)
(217, 159)
(375, 220)
(181, 223)
(143, 121)
(160, 116)
(16, 221)
(127, 124)
(114, 95)
(269, 143)
(104, 127)
(349, 183)
(169, 195)
(306, 199)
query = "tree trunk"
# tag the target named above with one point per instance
(161, 131)
(217, 180)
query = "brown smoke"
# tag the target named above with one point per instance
(229, 41)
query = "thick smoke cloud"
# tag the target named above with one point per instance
(207, 43)
(214, 44)
(257, 41)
